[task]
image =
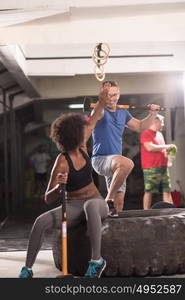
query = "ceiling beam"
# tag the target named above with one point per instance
(11, 64)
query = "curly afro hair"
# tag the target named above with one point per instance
(67, 131)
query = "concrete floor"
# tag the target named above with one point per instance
(11, 263)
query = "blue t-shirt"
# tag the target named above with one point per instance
(107, 135)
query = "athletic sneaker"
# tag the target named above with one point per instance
(95, 268)
(112, 210)
(26, 273)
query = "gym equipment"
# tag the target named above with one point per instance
(100, 57)
(128, 244)
(88, 104)
(64, 235)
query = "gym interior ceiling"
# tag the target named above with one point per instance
(51, 41)
(55, 39)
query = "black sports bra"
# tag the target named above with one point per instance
(78, 179)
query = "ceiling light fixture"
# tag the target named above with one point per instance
(75, 106)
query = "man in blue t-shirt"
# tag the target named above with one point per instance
(107, 159)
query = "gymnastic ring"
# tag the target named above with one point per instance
(97, 59)
(107, 50)
(99, 75)
(100, 60)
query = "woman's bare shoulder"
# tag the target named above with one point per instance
(61, 163)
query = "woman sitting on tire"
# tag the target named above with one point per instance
(72, 167)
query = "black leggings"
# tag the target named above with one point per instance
(93, 210)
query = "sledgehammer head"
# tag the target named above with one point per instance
(87, 104)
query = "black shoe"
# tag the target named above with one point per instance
(112, 210)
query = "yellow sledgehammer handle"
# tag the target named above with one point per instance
(64, 248)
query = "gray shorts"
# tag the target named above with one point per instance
(102, 166)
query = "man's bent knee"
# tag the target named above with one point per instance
(123, 163)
